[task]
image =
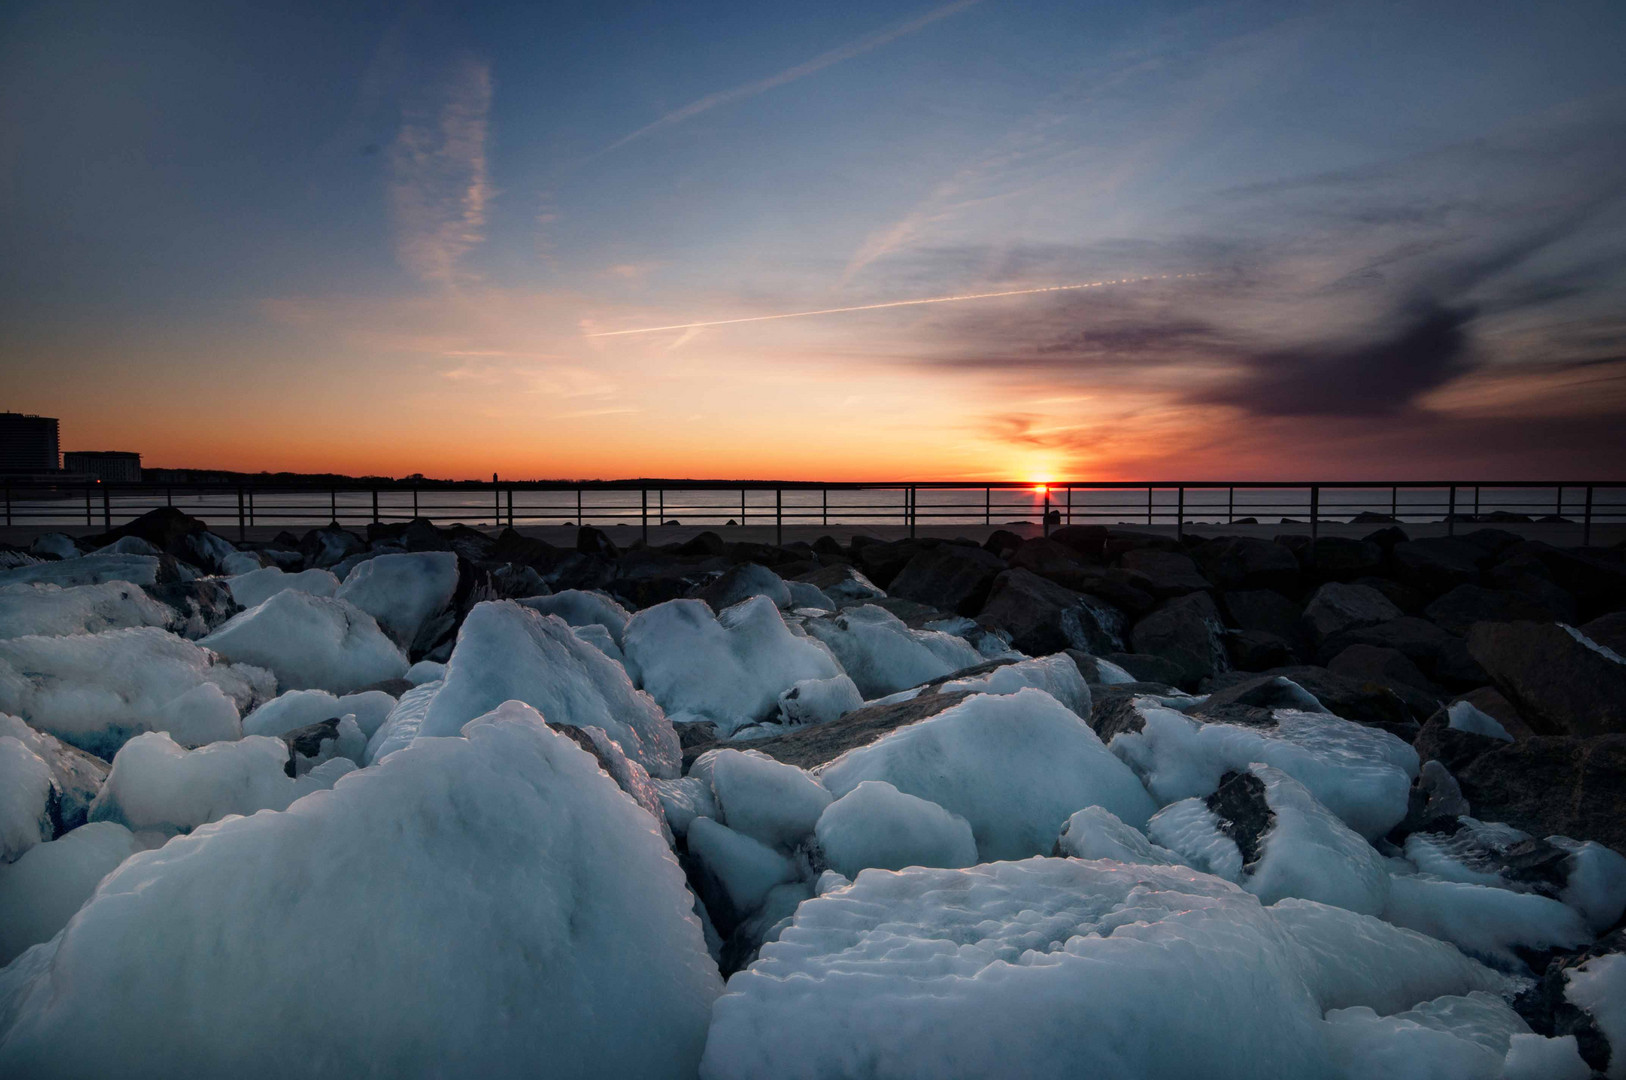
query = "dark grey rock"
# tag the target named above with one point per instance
(1548, 1011)
(1263, 609)
(1043, 618)
(1188, 632)
(1553, 785)
(1559, 685)
(1391, 668)
(1248, 563)
(1465, 605)
(1337, 607)
(1164, 573)
(1439, 741)
(1258, 650)
(950, 577)
(1244, 815)
(1608, 631)
(1438, 564)
(816, 744)
(1146, 668)
(1340, 558)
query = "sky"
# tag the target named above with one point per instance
(1361, 241)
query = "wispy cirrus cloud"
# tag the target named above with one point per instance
(439, 186)
(858, 47)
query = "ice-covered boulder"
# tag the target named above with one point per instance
(765, 799)
(1598, 988)
(158, 787)
(582, 607)
(1096, 833)
(1062, 967)
(1056, 675)
(94, 691)
(505, 651)
(729, 668)
(40, 892)
(628, 775)
(409, 594)
(310, 642)
(883, 655)
(257, 586)
(425, 671)
(737, 872)
(1361, 774)
(1265, 831)
(485, 905)
(1459, 1036)
(52, 611)
(876, 825)
(818, 701)
(404, 721)
(299, 708)
(1485, 922)
(741, 582)
(78, 776)
(28, 799)
(87, 570)
(55, 545)
(1015, 766)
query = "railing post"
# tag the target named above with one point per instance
(88, 485)
(1180, 514)
(1451, 512)
(1476, 502)
(742, 506)
(1044, 522)
(778, 517)
(578, 506)
(1558, 505)
(824, 500)
(414, 499)
(1586, 520)
(169, 496)
(1394, 502)
(911, 512)
(1069, 504)
(375, 505)
(496, 503)
(107, 510)
(660, 502)
(510, 506)
(251, 508)
(333, 503)
(242, 523)
(1315, 510)
(1148, 504)
(643, 496)
(987, 506)
(1230, 506)
(8, 505)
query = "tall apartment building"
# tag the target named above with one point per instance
(112, 466)
(28, 444)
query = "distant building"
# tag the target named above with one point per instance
(109, 466)
(28, 444)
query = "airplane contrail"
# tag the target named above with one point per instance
(892, 304)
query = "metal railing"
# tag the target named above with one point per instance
(910, 503)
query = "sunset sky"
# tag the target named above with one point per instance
(1365, 240)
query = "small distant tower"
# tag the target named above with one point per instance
(28, 444)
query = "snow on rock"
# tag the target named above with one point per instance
(157, 786)
(582, 607)
(1535, 1057)
(818, 701)
(95, 691)
(811, 597)
(402, 724)
(1589, 877)
(740, 583)
(241, 562)
(599, 637)
(78, 776)
(685, 799)
(40, 892)
(425, 671)
(53, 611)
(1463, 716)
(883, 655)
(204, 714)
(310, 642)
(87, 570)
(1015, 766)
(471, 906)
(1056, 675)
(28, 799)
(409, 594)
(876, 825)
(1361, 774)
(1059, 967)
(257, 586)
(1096, 833)
(765, 799)
(1485, 922)
(301, 708)
(56, 545)
(742, 870)
(1265, 831)
(729, 668)
(129, 545)
(628, 775)
(505, 651)
(1599, 988)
